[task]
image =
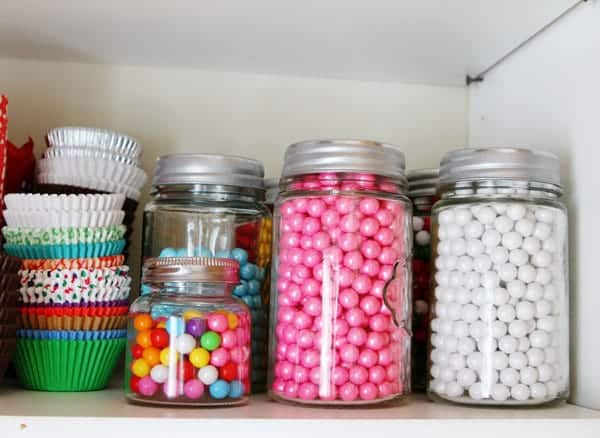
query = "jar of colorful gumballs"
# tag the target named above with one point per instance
(340, 304)
(422, 190)
(189, 338)
(207, 205)
(500, 327)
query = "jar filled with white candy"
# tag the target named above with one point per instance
(500, 327)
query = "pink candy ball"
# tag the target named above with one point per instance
(379, 323)
(278, 386)
(300, 374)
(219, 357)
(368, 391)
(193, 389)
(355, 317)
(229, 339)
(368, 206)
(310, 226)
(362, 284)
(311, 257)
(348, 298)
(308, 391)
(348, 241)
(147, 387)
(369, 227)
(321, 241)
(305, 338)
(290, 389)
(330, 219)
(384, 357)
(349, 353)
(377, 374)
(345, 205)
(348, 392)
(306, 242)
(367, 358)
(370, 249)
(345, 276)
(388, 256)
(370, 305)
(358, 375)
(310, 358)
(316, 208)
(313, 306)
(350, 223)
(339, 376)
(353, 260)
(357, 336)
(315, 375)
(302, 320)
(376, 341)
(384, 236)
(311, 287)
(370, 268)
(384, 217)
(217, 322)
(300, 205)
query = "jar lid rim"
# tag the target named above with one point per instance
(191, 269)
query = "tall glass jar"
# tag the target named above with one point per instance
(500, 327)
(189, 339)
(212, 206)
(340, 300)
(422, 190)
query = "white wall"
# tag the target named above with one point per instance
(547, 97)
(178, 110)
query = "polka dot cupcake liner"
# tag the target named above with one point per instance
(54, 236)
(89, 263)
(35, 295)
(82, 279)
(66, 251)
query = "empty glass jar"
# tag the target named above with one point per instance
(189, 339)
(500, 327)
(212, 206)
(340, 301)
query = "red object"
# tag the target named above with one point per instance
(137, 351)
(133, 383)
(229, 371)
(426, 223)
(20, 168)
(159, 338)
(188, 370)
(3, 147)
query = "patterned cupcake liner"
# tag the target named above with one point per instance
(82, 279)
(64, 202)
(87, 323)
(62, 236)
(104, 308)
(71, 335)
(90, 263)
(72, 251)
(63, 218)
(67, 365)
(34, 295)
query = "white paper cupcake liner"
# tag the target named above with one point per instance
(62, 218)
(79, 280)
(94, 184)
(34, 295)
(95, 169)
(35, 202)
(85, 152)
(104, 139)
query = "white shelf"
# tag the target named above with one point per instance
(100, 414)
(435, 42)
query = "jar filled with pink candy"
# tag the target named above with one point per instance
(340, 331)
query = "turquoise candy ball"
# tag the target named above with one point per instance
(168, 252)
(253, 287)
(247, 271)
(219, 390)
(236, 389)
(240, 255)
(240, 290)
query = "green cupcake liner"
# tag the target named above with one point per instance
(55, 236)
(66, 366)
(74, 251)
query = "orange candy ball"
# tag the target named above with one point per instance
(152, 356)
(144, 339)
(142, 322)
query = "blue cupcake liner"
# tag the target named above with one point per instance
(71, 335)
(64, 251)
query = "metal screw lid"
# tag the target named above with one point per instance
(344, 156)
(191, 269)
(499, 164)
(208, 169)
(423, 182)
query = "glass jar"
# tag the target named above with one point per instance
(189, 339)
(500, 327)
(212, 206)
(422, 190)
(271, 192)
(340, 301)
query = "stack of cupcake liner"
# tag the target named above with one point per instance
(9, 284)
(82, 160)
(74, 288)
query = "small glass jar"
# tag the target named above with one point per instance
(422, 190)
(212, 206)
(189, 339)
(340, 300)
(500, 327)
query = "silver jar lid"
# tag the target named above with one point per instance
(314, 156)
(271, 190)
(423, 182)
(191, 269)
(208, 169)
(499, 164)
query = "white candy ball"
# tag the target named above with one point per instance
(544, 215)
(518, 257)
(506, 313)
(516, 211)
(547, 324)
(471, 280)
(531, 245)
(208, 374)
(458, 246)
(523, 344)
(542, 259)
(542, 231)
(486, 215)
(512, 240)
(500, 392)
(476, 391)
(436, 340)
(464, 263)
(444, 248)
(447, 375)
(423, 238)
(518, 328)
(499, 360)
(544, 276)
(538, 390)
(542, 308)
(475, 247)
(487, 344)
(453, 389)
(475, 360)
(490, 279)
(550, 292)
(470, 313)
(481, 296)
(500, 208)
(473, 230)
(509, 376)
(442, 278)
(491, 238)
(466, 346)
(508, 344)
(454, 231)
(501, 296)
(463, 295)
(454, 311)
(487, 312)
(462, 216)
(435, 324)
(499, 255)
(455, 279)
(516, 288)
(550, 245)
(552, 389)
(434, 370)
(159, 373)
(445, 326)
(418, 223)
(527, 273)
(457, 361)
(447, 217)
(488, 377)
(535, 292)
(539, 339)
(507, 272)
(499, 329)
(443, 232)
(525, 310)
(520, 392)
(525, 227)
(535, 357)
(466, 377)
(478, 329)
(528, 375)
(482, 263)
(185, 343)
(460, 330)
(438, 386)
(503, 224)
(551, 355)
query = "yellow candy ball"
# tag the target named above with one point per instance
(165, 358)
(161, 325)
(232, 320)
(140, 367)
(189, 314)
(199, 357)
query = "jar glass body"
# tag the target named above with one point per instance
(500, 324)
(188, 344)
(421, 282)
(340, 300)
(214, 221)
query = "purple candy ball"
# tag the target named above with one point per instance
(195, 327)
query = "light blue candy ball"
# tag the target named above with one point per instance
(260, 274)
(145, 289)
(240, 290)
(247, 299)
(248, 271)
(168, 252)
(182, 252)
(175, 325)
(236, 389)
(240, 255)
(223, 254)
(219, 389)
(257, 301)
(253, 287)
